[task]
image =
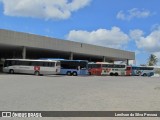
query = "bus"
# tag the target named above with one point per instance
(71, 67)
(28, 66)
(140, 70)
(104, 68)
(74, 67)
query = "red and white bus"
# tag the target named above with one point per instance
(104, 68)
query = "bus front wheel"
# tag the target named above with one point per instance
(36, 73)
(11, 71)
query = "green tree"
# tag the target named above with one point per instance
(152, 60)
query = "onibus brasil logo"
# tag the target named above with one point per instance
(20, 114)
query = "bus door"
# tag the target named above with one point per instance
(83, 71)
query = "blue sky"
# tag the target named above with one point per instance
(127, 25)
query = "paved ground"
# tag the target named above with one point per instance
(68, 93)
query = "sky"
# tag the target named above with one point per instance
(126, 25)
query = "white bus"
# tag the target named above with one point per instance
(142, 70)
(28, 66)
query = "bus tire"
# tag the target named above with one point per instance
(111, 74)
(144, 74)
(11, 71)
(36, 73)
(138, 73)
(68, 73)
(74, 73)
(116, 74)
(89, 73)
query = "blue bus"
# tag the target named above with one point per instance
(142, 71)
(72, 67)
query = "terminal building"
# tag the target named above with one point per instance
(29, 46)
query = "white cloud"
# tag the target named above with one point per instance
(114, 38)
(157, 54)
(47, 9)
(133, 13)
(150, 43)
(136, 34)
(155, 27)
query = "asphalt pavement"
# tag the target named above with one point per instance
(82, 93)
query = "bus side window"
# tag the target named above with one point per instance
(30, 63)
(138, 68)
(51, 64)
(117, 66)
(45, 64)
(27, 63)
(16, 62)
(123, 66)
(33, 63)
(13, 62)
(112, 66)
(48, 64)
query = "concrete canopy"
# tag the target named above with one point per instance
(23, 45)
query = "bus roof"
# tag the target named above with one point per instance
(51, 59)
(103, 63)
(154, 66)
(110, 63)
(75, 60)
(142, 66)
(59, 59)
(34, 60)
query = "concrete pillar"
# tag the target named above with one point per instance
(104, 59)
(71, 56)
(24, 52)
(127, 62)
